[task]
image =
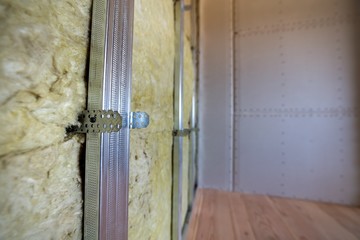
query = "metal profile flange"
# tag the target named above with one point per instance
(139, 120)
(99, 121)
(177, 163)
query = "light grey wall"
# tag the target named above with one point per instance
(296, 86)
(297, 90)
(215, 71)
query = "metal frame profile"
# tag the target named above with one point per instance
(107, 154)
(177, 164)
(179, 230)
(194, 129)
(194, 108)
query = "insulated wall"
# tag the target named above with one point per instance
(43, 57)
(151, 148)
(297, 98)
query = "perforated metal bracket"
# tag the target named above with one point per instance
(99, 121)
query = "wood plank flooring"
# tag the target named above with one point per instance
(234, 216)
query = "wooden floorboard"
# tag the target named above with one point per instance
(221, 215)
(265, 221)
(297, 221)
(330, 228)
(240, 218)
(344, 216)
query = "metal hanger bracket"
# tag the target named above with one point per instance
(102, 121)
(99, 121)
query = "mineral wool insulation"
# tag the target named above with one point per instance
(43, 49)
(43, 57)
(151, 149)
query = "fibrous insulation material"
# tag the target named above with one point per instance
(151, 148)
(43, 54)
(41, 195)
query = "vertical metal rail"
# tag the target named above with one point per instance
(107, 154)
(178, 123)
(194, 108)
(192, 154)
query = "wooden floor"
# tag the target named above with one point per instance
(226, 216)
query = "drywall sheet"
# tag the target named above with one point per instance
(296, 99)
(215, 72)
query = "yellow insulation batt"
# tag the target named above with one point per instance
(151, 148)
(43, 55)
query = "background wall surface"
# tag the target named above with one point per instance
(295, 94)
(215, 94)
(43, 58)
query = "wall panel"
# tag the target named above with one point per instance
(215, 91)
(296, 97)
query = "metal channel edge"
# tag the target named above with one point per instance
(176, 215)
(107, 154)
(92, 155)
(193, 137)
(194, 107)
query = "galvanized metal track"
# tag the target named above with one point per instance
(192, 133)
(178, 123)
(107, 154)
(194, 107)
